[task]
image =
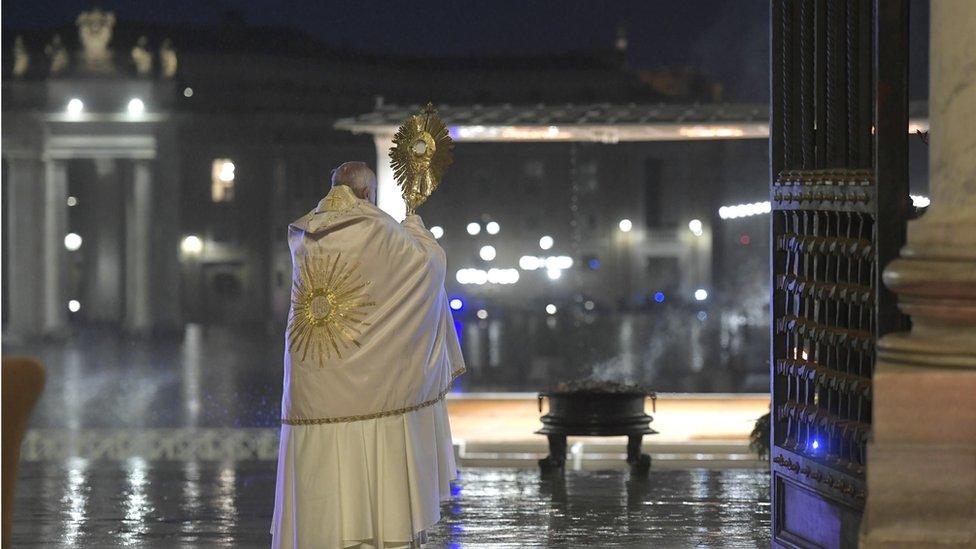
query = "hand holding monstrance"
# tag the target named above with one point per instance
(420, 155)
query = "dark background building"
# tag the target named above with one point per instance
(181, 200)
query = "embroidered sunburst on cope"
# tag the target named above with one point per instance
(329, 306)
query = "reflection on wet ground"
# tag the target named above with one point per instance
(171, 504)
(231, 376)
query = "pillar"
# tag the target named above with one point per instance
(55, 227)
(102, 209)
(23, 238)
(921, 471)
(138, 222)
(389, 198)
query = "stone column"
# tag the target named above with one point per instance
(55, 227)
(388, 195)
(138, 223)
(921, 469)
(22, 238)
(102, 208)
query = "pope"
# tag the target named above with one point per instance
(365, 455)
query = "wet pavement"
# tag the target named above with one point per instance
(173, 504)
(230, 377)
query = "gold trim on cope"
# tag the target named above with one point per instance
(346, 419)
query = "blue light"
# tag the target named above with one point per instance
(659, 297)
(456, 304)
(702, 315)
(594, 264)
(815, 444)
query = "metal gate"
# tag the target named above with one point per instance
(839, 193)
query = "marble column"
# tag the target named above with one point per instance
(921, 471)
(23, 237)
(388, 195)
(138, 223)
(55, 311)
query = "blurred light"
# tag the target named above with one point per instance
(530, 262)
(710, 131)
(72, 241)
(482, 314)
(559, 262)
(551, 309)
(702, 315)
(226, 173)
(457, 304)
(593, 264)
(74, 305)
(744, 240)
(473, 228)
(659, 297)
(701, 294)
(625, 225)
(744, 210)
(589, 305)
(492, 276)
(437, 231)
(187, 92)
(920, 201)
(72, 201)
(815, 444)
(546, 242)
(192, 244)
(554, 274)
(136, 106)
(493, 227)
(75, 106)
(695, 226)
(503, 276)
(487, 253)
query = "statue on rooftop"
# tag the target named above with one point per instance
(95, 31)
(167, 58)
(21, 58)
(57, 55)
(142, 57)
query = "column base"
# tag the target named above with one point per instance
(920, 495)
(921, 474)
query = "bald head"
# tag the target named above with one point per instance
(358, 177)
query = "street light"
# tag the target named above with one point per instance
(473, 228)
(136, 106)
(626, 225)
(701, 294)
(487, 253)
(546, 242)
(75, 106)
(493, 227)
(192, 245)
(72, 241)
(695, 226)
(437, 231)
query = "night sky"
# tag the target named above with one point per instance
(728, 40)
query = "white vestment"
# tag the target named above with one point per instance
(370, 351)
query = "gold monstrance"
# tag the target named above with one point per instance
(420, 155)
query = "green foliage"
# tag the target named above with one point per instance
(759, 438)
